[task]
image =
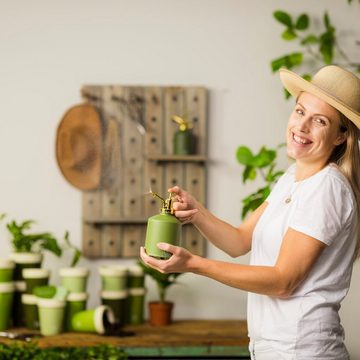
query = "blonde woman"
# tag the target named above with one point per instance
(304, 238)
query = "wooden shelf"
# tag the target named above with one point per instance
(177, 158)
(108, 220)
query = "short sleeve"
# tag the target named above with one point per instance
(323, 208)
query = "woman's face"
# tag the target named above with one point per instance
(313, 130)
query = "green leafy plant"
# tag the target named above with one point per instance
(24, 351)
(23, 241)
(263, 163)
(163, 281)
(315, 48)
(76, 251)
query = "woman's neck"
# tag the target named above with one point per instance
(305, 170)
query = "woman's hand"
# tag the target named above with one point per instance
(185, 205)
(181, 260)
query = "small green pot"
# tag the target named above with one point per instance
(135, 306)
(184, 142)
(18, 308)
(74, 279)
(51, 316)
(113, 278)
(6, 270)
(116, 300)
(75, 303)
(136, 278)
(97, 320)
(25, 260)
(35, 277)
(6, 301)
(31, 312)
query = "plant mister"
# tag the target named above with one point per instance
(183, 140)
(163, 227)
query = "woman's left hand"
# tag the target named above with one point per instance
(181, 260)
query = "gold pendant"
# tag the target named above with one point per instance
(287, 200)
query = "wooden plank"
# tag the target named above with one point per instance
(133, 177)
(196, 108)
(111, 193)
(154, 173)
(91, 200)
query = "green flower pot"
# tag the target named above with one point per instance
(6, 270)
(116, 300)
(75, 303)
(35, 277)
(113, 278)
(74, 279)
(31, 312)
(51, 316)
(136, 278)
(6, 302)
(25, 260)
(135, 306)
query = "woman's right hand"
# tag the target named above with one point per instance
(185, 205)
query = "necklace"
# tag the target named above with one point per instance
(289, 198)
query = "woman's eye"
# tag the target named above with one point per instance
(300, 111)
(320, 121)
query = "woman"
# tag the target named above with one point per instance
(303, 238)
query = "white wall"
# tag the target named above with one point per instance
(49, 49)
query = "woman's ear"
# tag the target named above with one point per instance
(341, 138)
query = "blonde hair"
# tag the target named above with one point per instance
(347, 157)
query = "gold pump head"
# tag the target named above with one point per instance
(167, 203)
(182, 122)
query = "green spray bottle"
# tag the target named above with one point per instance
(163, 227)
(184, 140)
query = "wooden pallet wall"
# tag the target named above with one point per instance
(137, 155)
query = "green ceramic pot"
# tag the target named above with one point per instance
(98, 320)
(116, 300)
(6, 302)
(31, 312)
(25, 260)
(35, 277)
(136, 278)
(113, 278)
(51, 316)
(18, 308)
(74, 279)
(135, 306)
(75, 303)
(184, 142)
(6, 270)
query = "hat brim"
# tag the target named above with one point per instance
(81, 118)
(295, 84)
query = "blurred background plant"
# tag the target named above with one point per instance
(316, 49)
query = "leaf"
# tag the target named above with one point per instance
(249, 173)
(287, 61)
(296, 58)
(310, 39)
(264, 158)
(283, 18)
(289, 35)
(244, 155)
(279, 63)
(327, 20)
(302, 22)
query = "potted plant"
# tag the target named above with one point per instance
(160, 312)
(29, 246)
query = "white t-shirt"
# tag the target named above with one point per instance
(306, 325)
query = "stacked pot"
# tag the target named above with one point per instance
(7, 288)
(75, 281)
(122, 289)
(30, 264)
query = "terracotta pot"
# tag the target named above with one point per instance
(160, 313)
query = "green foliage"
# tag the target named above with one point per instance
(77, 253)
(23, 241)
(263, 163)
(23, 351)
(321, 47)
(163, 281)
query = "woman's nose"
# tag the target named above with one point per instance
(304, 124)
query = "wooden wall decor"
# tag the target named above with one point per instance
(138, 134)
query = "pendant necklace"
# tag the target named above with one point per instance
(289, 198)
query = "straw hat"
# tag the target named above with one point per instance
(340, 88)
(79, 147)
